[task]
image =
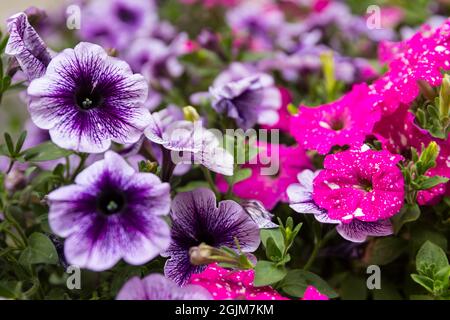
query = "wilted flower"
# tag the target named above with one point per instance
(87, 99)
(247, 96)
(27, 47)
(189, 142)
(157, 287)
(111, 212)
(197, 219)
(259, 214)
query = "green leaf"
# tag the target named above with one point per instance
(267, 273)
(9, 143)
(239, 175)
(296, 282)
(420, 234)
(424, 281)
(277, 236)
(191, 185)
(40, 250)
(443, 275)
(432, 182)
(272, 251)
(430, 259)
(45, 152)
(407, 214)
(20, 142)
(386, 250)
(354, 288)
(10, 289)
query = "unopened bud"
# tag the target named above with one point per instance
(444, 97)
(190, 114)
(148, 166)
(427, 91)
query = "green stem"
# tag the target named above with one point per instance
(83, 158)
(15, 224)
(11, 164)
(318, 243)
(210, 181)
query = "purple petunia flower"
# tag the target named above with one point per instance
(27, 47)
(87, 99)
(247, 96)
(156, 60)
(111, 212)
(157, 287)
(197, 219)
(301, 200)
(115, 23)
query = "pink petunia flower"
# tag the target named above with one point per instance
(224, 284)
(363, 185)
(421, 57)
(270, 189)
(343, 122)
(398, 133)
(312, 293)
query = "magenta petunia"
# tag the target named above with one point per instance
(301, 200)
(111, 212)
(270, 187)
(225, 284)
(422, 57)
(157, 287)
(87, 99)
(362, 185)
(343, 122)
(312, 293)
(398, 133)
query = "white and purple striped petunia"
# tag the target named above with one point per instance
(86, 99)
(111, 212)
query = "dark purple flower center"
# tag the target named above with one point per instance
(337, 124)
(111, 202)
(88, 98)
(126, 15)
(366, 184)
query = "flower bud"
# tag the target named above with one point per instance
(190, 114)
(444, 97)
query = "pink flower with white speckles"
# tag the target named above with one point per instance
(367, 186)
(343, 122)
(398, 133)
(224, 284)
(312, 293)
(421, 57)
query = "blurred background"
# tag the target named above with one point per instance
(10, 7)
